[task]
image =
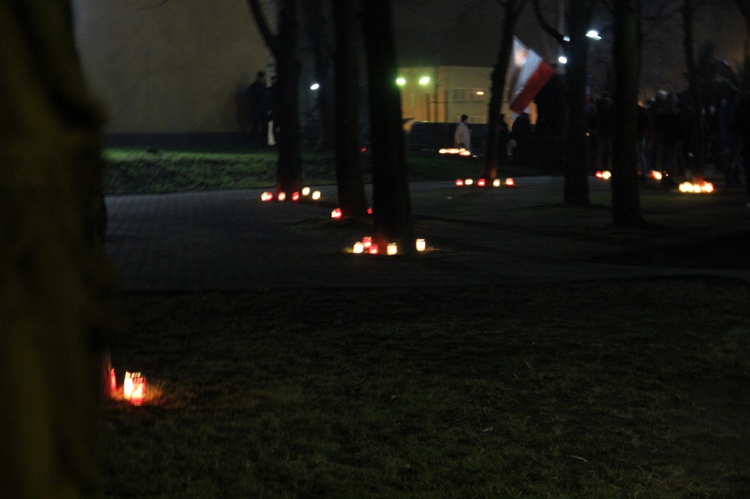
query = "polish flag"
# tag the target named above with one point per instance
(528, 74)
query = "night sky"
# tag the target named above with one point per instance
(467, 32)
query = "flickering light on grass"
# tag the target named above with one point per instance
(481, 182)
(305, 191)
(315, 195)
(337, 213)
(282, 196)
(696, 188)
(421, 245)
(469, 181)
(266, 196)
(497, 183)
(392, 249)
(358, 248)
(459, 182)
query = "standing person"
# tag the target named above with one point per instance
(730, 143)
(462, 135)
(668, 134)
(604, 131)
(257, 99)
(741, 126)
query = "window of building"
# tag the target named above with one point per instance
(459, 94)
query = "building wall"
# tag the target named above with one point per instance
(172, 67)
(451, 92)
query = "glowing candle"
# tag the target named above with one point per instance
(266, 196)
(496, 183)
(373, 249)
(459, 182)
(421, 245)
(295, 196)
(468, 181)
(316, 195)
(139, 390)
(337, 213)
(112, 383)
(305, 191)
(481, 182)
(392, 249)
(358, 248)
(367, 241)
(127, 386)
(282, 196)
(510, 181)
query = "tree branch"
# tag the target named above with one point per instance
(265, 30)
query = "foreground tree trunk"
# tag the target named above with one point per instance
(318, 29)
(349, 179)
(391, 202)
(626, 208)
(283, 46)
(513, 9)
(52, 275)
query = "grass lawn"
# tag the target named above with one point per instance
(561, 390)
(136, 171)
(616, 389)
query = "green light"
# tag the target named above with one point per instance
(400, 81)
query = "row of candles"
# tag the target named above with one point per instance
(295, 196)
(703, 187)
(482, 182)
(133, 387)
(366, 246)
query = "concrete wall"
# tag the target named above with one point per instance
(172, 67)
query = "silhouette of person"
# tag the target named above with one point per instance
(258, 103)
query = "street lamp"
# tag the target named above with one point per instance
(425, 80)
(400, 81)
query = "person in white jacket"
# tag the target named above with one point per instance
(462, 135)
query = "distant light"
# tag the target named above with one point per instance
(315, 86)
(424, 80)
(305, 191)
(266, 196)
(562, 59)
(593, 34)
(401, 81)
(281, 196)
(337, 214)
(315, 195)
(566, 38)
(480, 92)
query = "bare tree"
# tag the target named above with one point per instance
(53, 313)
(744, 6)
(512, 10)
(391, 201)
(283, 46)
(626, 209)
(349, 178)
(317, 26)
(579, 15)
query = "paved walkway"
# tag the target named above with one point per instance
(232, 240)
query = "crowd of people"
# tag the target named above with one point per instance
(666, 140)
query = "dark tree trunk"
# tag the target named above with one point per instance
(53, 306)
(350, 182)
(744, 6)
(512, 9)
(696, 134)
(318, 29)
(575, 171)
(391, 202)
(284, 49)
(626, 208)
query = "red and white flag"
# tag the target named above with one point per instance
(528, 74)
